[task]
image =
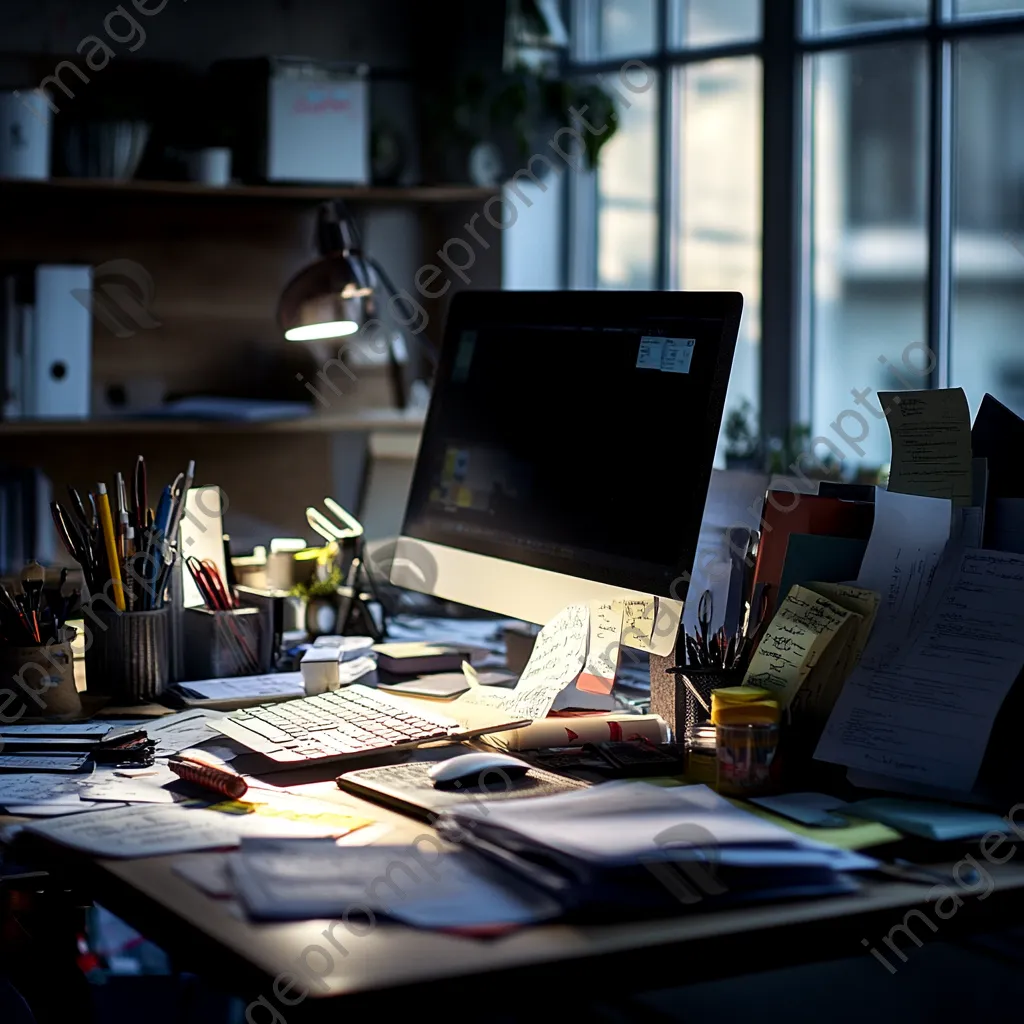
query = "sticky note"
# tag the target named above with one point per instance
(650, 354)
(677, 355)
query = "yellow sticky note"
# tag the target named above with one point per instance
(931, 443)
(796, 639)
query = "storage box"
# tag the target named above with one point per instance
(296, 120)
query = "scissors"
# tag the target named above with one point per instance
(705, 611)
(210, 583)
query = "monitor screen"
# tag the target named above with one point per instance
(575, 432)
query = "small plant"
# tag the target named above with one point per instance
(742, 438)
(326, 576)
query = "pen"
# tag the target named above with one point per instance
(103, 502)
(141, 498)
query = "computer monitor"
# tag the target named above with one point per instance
(567, 451)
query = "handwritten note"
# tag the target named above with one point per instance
(908, 538)
(638, 620)
(925, 717)
(794, 643)
(931, 443)
(859, 601)
(558, 657)
(598, 675)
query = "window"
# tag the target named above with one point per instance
(898, 260)
(676, 199)
(988, 221)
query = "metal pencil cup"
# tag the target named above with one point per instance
(222, 644)
(127, 654)
(694, 686)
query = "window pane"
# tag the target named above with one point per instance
(868, 259)
(824, 16)
(973, 8)
(615, 28)
(988, 221)
(719, 199)
(627, 187)
(712, 22)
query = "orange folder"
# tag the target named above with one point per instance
(786, 513)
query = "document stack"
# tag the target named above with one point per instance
(629, 846)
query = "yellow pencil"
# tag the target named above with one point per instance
(107, 522)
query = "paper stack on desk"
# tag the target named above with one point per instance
(633, 845)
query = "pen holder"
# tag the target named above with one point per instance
(43, 676)
(222, 644)
(681, 694)
(127, 654)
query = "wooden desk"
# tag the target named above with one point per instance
(394, 968)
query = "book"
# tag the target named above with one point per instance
(414, 658)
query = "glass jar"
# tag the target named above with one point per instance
(744, 758)
(702, 754)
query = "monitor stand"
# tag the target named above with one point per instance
(356, 597)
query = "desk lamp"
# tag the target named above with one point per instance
(335, 295)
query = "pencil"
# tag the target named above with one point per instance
(107, 522)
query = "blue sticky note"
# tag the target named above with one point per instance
(942, 822)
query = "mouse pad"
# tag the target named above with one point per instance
(409, 788)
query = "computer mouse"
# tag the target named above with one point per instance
(483, 768)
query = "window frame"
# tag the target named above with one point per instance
(787, 55)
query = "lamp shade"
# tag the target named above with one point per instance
(332, 297)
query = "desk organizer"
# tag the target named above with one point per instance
(222, 644)
(127, 654)
(49, 672)
(675, 701)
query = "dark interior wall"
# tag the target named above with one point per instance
(200, 31)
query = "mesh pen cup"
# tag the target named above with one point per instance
(222, 644)
(127, 654)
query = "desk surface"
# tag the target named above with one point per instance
(211, 936)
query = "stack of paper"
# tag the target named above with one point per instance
(924, 715)
(295, 880)
(630, 844)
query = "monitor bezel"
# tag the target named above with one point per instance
(470, 308)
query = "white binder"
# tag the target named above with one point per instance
(61, 356)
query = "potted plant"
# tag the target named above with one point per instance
(742, 438)
(486, 127)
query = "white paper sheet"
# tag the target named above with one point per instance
(452, 890)
(559, 653)
(140, 831)
(908, 538)
(624, 822)
(246, 687)
(175, 733)
(926, 716)
(97, 728)
(37, 789)
(126, 791)
(592, 690)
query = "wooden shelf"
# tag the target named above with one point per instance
(368, 420)
(14, 189)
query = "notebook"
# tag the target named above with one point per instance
(408, 788)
